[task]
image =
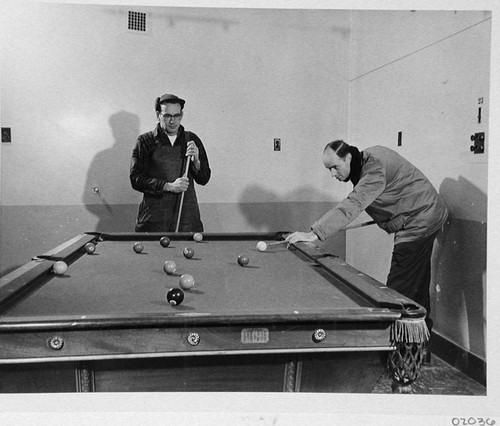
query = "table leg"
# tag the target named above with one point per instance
(404, 365)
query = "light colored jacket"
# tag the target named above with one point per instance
(394, 193)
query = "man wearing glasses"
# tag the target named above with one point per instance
(165, 164)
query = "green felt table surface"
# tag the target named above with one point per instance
(117, 281)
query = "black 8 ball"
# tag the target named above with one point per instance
(165, 241)
(175, 296)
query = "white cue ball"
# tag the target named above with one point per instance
(261, 246)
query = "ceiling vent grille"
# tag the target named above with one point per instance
(137, 21)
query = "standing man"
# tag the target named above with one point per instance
(399, 198)
(157, 167)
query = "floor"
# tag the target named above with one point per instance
(437, 378)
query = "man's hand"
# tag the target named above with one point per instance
(192, 150)
(178, 185)
(297, 237)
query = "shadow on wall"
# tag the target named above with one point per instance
(266, 211)
(459, 267)
(108, 178)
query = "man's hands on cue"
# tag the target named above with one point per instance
(181, 184)
(192, 150)
(178, 185)
(297, 237)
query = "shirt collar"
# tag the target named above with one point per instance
(160, 135)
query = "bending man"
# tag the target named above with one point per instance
(399, 198)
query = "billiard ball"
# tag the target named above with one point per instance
(60, 267)
(175, 296)
(186, 282)
(169, 267)
(89, 248)
(165, 241)
(188, 252)
(198, 237)
(243, 260)
(261, 246)
(138, 247)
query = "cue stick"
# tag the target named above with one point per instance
(182, 196)
(359, 225)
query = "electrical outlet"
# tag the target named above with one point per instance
(277, 144)
(6, 136)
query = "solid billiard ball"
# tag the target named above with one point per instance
(89, 248)
(175, 296)
(198, 237)
(261, 246)
(243, 260)
(186, 282)
(138, 247)
(169, 267)
(60, 267)
(165, 241)
(188, 252)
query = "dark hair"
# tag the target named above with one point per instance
(169, 101)
(339, 147)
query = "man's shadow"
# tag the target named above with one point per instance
(458, 291)
(107, 193)
(273, 212)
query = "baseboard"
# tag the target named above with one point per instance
(458, 357)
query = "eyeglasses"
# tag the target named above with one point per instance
(169, 117)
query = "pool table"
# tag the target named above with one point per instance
(296, 318)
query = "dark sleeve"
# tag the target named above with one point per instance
(202, 176)
(138, 165)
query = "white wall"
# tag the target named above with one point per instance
(79, 87)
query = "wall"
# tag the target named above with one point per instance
(78, 87)
(428, 84)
